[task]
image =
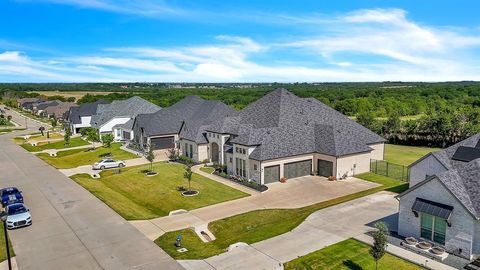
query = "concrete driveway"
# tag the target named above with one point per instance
(293, 194)
(323, 228)
(72, 229)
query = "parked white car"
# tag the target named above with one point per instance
(18, 216)
(108, 163)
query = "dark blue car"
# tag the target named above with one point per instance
(10, 195)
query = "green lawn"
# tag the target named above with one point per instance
(78, 157)
(74, 142)
(207, 169)
(259, 225)
(135, 196)
(348, 254)
(405, 155)
(3, 250)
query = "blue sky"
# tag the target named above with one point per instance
(238, 41)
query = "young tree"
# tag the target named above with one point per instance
(41, 129)
(379, 246)
(107, 140)
(188, 175)
(9, 118)
(150, 156)
(54, 122)
(91, 134)
(67, 136)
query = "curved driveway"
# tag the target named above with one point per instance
(71, 228)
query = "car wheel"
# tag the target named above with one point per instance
(102, 168)
(121, 165)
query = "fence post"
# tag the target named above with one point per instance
(376, 166)
(387, 168)
(403, 172)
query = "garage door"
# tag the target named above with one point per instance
(163, 143)
(271, 174)
(325, 168)
(297, 169)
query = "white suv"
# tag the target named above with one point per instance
(108, 163)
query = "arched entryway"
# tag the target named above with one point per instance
(215, 152)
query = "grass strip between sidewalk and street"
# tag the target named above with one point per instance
(74, 142)
(259, 225)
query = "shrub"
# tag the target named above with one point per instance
(283, 180)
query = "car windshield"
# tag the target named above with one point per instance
(9, 191)
(16, 209)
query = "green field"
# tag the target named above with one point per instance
(74, 142)
(348, 254)
(405, 155)
(135, 196)
(259, 225)
(78, 157)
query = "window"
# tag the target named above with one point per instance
(433, 228)
(231, 160)
(186, 149)
(218, 136)
(255, 167)
(191, 151)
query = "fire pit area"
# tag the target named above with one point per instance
(425, 248)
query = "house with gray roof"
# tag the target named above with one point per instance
(80, 117)
(120, 112)
(282, 135)
(442, 204)
(181, 125)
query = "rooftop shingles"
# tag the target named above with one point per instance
(122, 108)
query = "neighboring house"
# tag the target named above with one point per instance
(120, 112)
(282, 135)
(442, 204)
(279, 135)
(58, 111)
(38, 108)
(80, 117)
(181, 125)
(23, 102)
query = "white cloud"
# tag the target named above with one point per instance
(365, 45)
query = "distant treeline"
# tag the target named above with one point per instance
(447, 112)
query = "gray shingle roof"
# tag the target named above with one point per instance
(86, 109)
(463, 182)
(282, 124)
(189, 117)
(445, 155)
(126, 108)
(46, 104)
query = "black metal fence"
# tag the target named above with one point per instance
(389, 169)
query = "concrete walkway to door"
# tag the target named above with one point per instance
(295, 193)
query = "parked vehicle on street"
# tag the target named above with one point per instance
(10, 195)
(108, 163)
(18, 215)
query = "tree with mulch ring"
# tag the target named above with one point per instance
(150, 156)
(188, 175)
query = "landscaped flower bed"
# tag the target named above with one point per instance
(242, 181)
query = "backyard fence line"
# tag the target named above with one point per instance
(392, 170)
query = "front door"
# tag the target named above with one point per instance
(215, 152)
(325, 168)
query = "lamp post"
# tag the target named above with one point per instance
(3, 216)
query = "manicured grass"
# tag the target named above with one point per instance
(74, 142)
(3, 250)
(405, 155)
(136, 196)
(257, 225)
(348, 254)
(207, 169)
(78, 157)
(39, 137)
(393, 185)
